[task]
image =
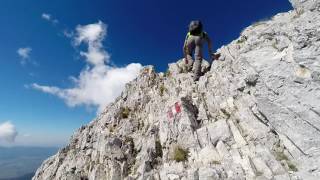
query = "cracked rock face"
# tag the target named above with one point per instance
(254, 115)
(305, 4)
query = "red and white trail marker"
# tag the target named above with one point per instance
(174, 110)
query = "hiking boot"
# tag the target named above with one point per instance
(196, 78)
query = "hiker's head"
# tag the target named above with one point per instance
(195, 27)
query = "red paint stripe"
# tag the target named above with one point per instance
(178, 107)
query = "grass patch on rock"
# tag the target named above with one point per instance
(167, 73)
(180, 154)
(158, 146)
(125, 112)
(281, 156)
(292, 167)
(162, 89)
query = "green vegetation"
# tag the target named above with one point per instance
(259, 173)
(125, 112)
(162, 89)
(215, 162)
(180, 154)
(292, 167)
(274, 45)
(128, 140)
(242, 39)
(112, 128)
(281, 156)
(167, 73)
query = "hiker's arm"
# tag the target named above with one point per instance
(209, 45)
(185, 51)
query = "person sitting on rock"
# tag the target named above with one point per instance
(194, 42)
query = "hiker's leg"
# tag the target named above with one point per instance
(189, 62)
(197, 69)
(190, 49)
(198, 60)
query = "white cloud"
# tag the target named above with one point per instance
(46, 16)
(24, 53)
(98, 83)
(49, 18)
(8, 132)
(93, 35)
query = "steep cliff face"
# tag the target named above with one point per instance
(306, 4)
(254, 115)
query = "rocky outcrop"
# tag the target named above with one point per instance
(254, 115)
(306, 4)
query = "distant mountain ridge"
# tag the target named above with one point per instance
(24, 177)
(21, 162)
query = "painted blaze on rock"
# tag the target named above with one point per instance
(174, 111)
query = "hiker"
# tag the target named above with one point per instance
(194, 42)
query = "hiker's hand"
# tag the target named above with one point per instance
(215, 56)
(186, 60)
(212, 56)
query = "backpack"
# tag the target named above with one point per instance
(195, 28)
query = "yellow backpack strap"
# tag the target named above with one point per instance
(203, 34)
(188, 35)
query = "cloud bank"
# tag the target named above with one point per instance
(99, 83)
(8, 132)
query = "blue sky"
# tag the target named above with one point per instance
(145, 32)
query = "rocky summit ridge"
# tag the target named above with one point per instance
(254, 115)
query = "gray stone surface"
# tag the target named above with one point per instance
(306, 4)
(254, 115)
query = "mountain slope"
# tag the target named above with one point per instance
(254, 115)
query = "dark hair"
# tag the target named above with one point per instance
(195, 27)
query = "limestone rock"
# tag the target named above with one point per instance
(306, 4)
(253, 115)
